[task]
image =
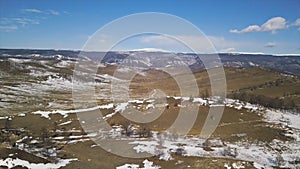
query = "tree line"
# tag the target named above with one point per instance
(277, 103)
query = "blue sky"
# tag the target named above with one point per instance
(233, 26)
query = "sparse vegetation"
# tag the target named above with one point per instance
(62, 137)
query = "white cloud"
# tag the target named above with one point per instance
(227, 50)
(8, 28)
(270, 44)
(272, 25)
(11, 24)
(32, 11)
(66, 12)
(251, 28)
(25, 21)
(296, 23)
(53, 12)
(17, 21)
(37, 11)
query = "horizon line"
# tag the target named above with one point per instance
(159, 51)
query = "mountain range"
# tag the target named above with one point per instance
(155, 59)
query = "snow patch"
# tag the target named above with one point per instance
(147, 165)
(65, 123)
(11, 163)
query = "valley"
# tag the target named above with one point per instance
(41, 127)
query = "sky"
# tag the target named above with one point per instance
(269, 26)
